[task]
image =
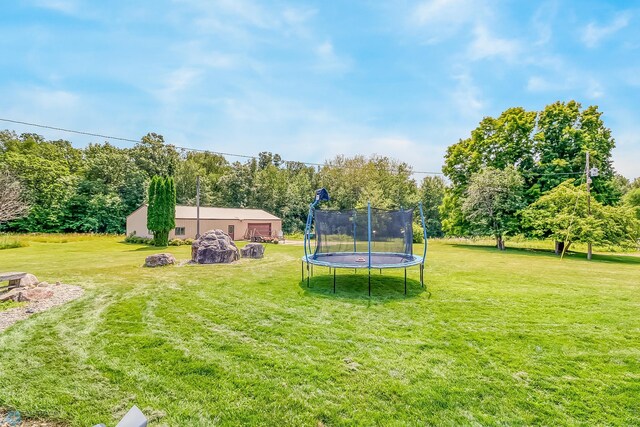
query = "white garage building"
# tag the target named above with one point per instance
(239, 223)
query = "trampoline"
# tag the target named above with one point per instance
(372, 239)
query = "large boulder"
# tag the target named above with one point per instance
(214, 247)
(252, 250)
(158, 260)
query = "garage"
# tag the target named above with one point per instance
(259, 229)
(190, 221)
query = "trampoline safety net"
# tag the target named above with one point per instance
(347, 231)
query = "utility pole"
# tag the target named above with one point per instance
(198, 207)
(588, 174)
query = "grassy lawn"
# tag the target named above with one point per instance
(7, 305)
(498, 338)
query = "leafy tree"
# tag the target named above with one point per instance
(454, 222)
(562, 214)
(210, 168)
(387, 183)
(12, 202)
(506, 141)
(565, 132)
(154, 157)
(236, 187)
(493, 197)
(498, 143)
(632, 199)
(431, 193)
(49, 173)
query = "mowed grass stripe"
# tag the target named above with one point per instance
(496, 338)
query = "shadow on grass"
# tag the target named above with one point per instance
(578, 256)
(355, 287)
(147, 248)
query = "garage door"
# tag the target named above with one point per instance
(260, 229)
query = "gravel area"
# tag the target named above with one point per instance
(61, 294)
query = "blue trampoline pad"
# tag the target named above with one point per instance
(361, 260)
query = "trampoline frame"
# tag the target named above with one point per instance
(310, 259)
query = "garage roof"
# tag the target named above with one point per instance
(189, 212)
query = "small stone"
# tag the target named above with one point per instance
(21, 297)
(43, 284)
(58, 283)
(158, 260)
(29, 311)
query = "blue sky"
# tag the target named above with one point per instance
(310, 80)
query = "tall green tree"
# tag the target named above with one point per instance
(564, 134)
(152, 209)
(632, 199)
(161, 211)
(153, 156)
(12, 201)
(432, 192)
(492, 200)
(352, 182)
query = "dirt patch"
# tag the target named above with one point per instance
(46, 298)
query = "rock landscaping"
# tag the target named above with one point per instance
(214, 247)
(253, 250)
(159, 260)
(38, 296)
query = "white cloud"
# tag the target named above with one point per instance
(540, 84)
(569, 81)
(69, 7)
(594, 89)
(238, 19)
(466, 97)
(486, 45)
(542, 21)
(594, 33)
(174, 84)
(441, 19)
(328, 60)
(444, 12)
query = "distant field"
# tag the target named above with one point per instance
(515, 338)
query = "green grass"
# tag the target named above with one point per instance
(515, 338)
(11, 243)
(7, 305)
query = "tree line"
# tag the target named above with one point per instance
(505, 178)
(93, 189)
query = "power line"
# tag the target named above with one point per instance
(176, 146)
(244, 156)
(68, 130)
(220, 153)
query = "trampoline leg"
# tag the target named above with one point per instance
(354, 271)
(334, 280)
(422, 275)
(308, 285)
(311, 270)
(369, 282)
(302, 270)
(405, 281)
(380, 271)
